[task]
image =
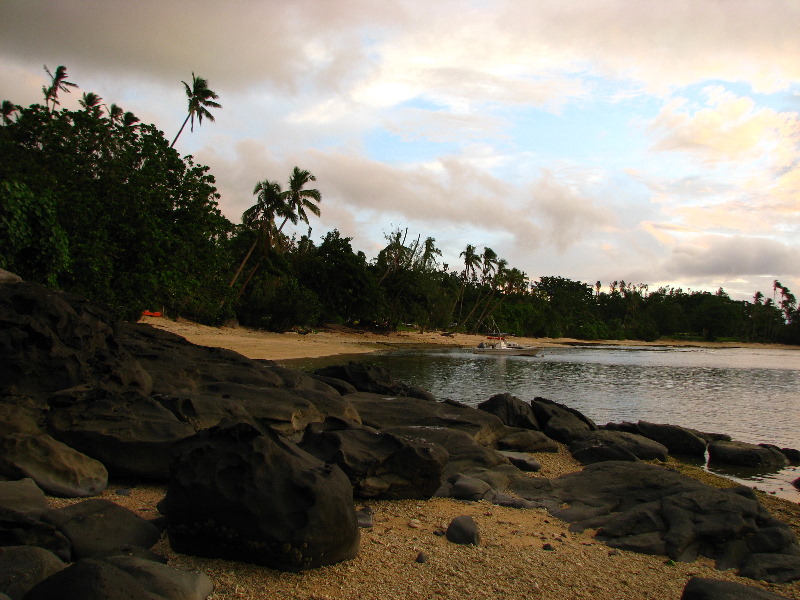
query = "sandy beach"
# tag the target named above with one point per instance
(524, 553)
(334, 340)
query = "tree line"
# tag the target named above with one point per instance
(95, 202)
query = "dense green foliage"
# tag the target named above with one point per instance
(99, 205)
(109, 211)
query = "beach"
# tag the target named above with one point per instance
(523, 553)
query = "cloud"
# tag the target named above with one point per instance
(731, 257)
(727, 128)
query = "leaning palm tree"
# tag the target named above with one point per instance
(261, 218)
(129, 119)
(91, 103)
(115, 113)
(9, 108)
(200, 98)
(299, 200)
(58, 83)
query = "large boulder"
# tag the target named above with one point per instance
(678, 440)
(702, 588)
(23, 496)
(244, 494)
(129, 433)
(559, 421)
(742, 454)
(56, 468)
(122, 578)
(596, 446)
(511, 410)
(381, 412)
(99, 526)
(18, 529)
(525, 440)
(372, 379)
(22, 567)
(51, 340)
(650, 509)
(379, 465)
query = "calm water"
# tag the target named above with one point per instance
(752, 395)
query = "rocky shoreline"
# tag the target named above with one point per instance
(264, 465)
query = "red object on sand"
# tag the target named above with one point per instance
(147, 313)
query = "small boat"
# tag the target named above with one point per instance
(497, 344)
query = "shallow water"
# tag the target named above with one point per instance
(752, 395)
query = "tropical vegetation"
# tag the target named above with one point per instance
(95, 202)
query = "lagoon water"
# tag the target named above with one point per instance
(751, 394)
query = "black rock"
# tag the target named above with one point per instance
(678, 440)
(524, 440)
(379, 465)
(372, 379)
(17, 529)
(701, 588)
(381, 412)
(596, 446)
(22, 567)
(746, 455)
(55, 467)
(242, 494)
(559, 421)
(98, 525)
(23, 496)
(463, 530)
(122, 578)
(129, 433)
(511, 410)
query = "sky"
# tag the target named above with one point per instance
(650, 141)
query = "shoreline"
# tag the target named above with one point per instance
(336, 340)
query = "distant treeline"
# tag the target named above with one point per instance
(94, 202)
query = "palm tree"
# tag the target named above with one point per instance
(261, 218)
(129, 119)
(91, 103)
(9, 108)
(489, 258)
(200, 98)
(58, 83)
(299, 200)
(115, 113)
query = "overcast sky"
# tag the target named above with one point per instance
(645, 140)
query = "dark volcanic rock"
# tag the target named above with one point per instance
(375, 380)
(122, 578)
(50, 341)
(511, 410)
(379, 465)
(646, 508)
(746, 455)
(129, 433)
(524, 440)
(55, 467)
(463, 530)
(22, 567)
(701, 588)
(678, 440)
(99, 526)
(17, 529)
(242, 494)
(793, 456)
(772, 567)
(23, 496)
(381, 412)
(559, 421)
(596, 446)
